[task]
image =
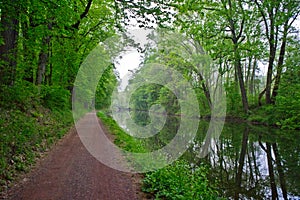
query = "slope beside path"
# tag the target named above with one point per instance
(70, 172)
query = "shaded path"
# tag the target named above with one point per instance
(70, 172)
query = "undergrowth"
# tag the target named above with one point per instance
(179, 181)
(29, 125)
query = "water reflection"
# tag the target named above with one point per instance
(252, 162)
(249, 162)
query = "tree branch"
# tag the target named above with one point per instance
(83, 15)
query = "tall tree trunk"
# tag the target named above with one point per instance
(8, 50)
(238, 68)
(271, 28)
(205, 90)
(252, 84)
(248, 70)
(236, 38)
(28, 53)
(269, 73)
(280, 62)
(43, 58)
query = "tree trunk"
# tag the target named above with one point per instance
(28, 53)
(205, 90)
(269, 74)
(280, 62)
(236, 35)
(8, 50)
(252, 86)
(248, 70)
(238, 68)
(43, 58)
(272, 53)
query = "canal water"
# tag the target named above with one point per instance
(250, 162)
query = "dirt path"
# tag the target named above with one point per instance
(70, 172)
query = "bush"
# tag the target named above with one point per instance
(22, 95)
(179, 181)
(55, 97)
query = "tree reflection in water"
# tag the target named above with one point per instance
(251, 162)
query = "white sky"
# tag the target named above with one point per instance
(129, 61)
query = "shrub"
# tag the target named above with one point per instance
(179, 181)
(55, 97)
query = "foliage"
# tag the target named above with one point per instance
(21, 95)
(26, 127)
(55, 97)
(233, 99)
(285, 112)
(42, 45)
(179, 181)
(105, 87)
(239, 36)
(287, 101)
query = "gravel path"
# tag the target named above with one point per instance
(70, 172)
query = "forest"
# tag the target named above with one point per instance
(252, 46)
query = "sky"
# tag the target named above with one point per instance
(129, 61)
(131, 58)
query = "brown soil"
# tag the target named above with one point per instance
(70, 172)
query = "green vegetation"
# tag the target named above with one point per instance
(122, 139)
(243, 39)
(29, 125)
(44, 43)
(179, 181)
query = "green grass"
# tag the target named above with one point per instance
(122, 139)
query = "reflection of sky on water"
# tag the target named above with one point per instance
(224, 158)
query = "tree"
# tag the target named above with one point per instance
(9, 30)
(277, 16)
